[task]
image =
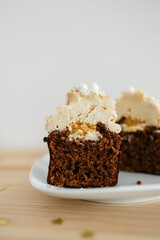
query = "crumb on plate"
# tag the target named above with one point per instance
(139, 182)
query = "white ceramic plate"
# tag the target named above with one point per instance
(127, 191)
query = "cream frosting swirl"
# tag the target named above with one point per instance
(86, 105)
(139, 107)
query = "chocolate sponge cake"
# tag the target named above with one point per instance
(139, 117)
(83, 140)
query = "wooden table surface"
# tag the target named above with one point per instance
(30, 213)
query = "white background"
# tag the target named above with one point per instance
(46, 47)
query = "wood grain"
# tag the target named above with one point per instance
(30, 213)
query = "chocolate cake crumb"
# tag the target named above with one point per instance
(84, 164)
(45, 139)
(139, 182)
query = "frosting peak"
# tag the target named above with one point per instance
(84, 105)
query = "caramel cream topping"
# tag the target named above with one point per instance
(132, 122)
(139, 110)
(84, 128)
(84, 108)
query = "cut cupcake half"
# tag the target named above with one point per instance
(139, 116)
(84, 141)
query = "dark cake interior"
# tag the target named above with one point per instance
(83, 163)
(140, 150)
